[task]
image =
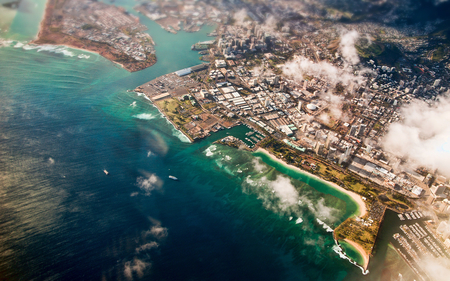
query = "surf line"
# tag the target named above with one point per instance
(167, 119)
(340, 251)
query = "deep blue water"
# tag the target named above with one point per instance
(63, 120)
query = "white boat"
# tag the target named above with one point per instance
(106, 172)
(173, 178)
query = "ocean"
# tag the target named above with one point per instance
(233, 215)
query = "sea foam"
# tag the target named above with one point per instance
(210, 150)
(48, 48)
(325, 226)
(338, 250)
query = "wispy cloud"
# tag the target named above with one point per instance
(158, 232)
(147, 246)
(135, 267)
(149, 183)
(347, 46)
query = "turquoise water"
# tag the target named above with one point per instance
(352, 252)
(231, 216)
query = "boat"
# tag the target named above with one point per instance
(106, 172)
(173, 178)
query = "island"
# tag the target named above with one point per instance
(97, 27)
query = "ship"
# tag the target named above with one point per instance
(173, 178)
(106, 172)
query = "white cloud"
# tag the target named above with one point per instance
(137, 267)
(347, 47)
(285, 191)
(319, 209)
(334, 104)
(158, 232)
(423, 137)
(300, 65)
(259, 167)
(288, 198)
(240, 17)
(149, 183)
(147, 247)
(436, 269)
(270, 24)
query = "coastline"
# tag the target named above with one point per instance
(44, 18)
(357, 198)
(43, 32)
(41, 29)
(361, 251)
(167, 118)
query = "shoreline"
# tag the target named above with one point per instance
(361, 251)
(103, 53)
(41, 28)
(167, 118)
(356, 197)
(41, 24)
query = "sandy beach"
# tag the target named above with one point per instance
(356, 197)
(361, 251)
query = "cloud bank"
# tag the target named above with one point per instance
(423, 137)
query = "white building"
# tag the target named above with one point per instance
(220, 63)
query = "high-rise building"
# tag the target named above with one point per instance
(437, 82)
(362, 129)
(329, 140)
(353, 130)
(319, 148)
(342, 159)
(299, 106)
(348, 151)
(277, 79)
(331, 153)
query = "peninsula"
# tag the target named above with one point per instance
(98, 27)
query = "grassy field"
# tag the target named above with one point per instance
(177, 111)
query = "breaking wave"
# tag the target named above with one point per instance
(18, 45)
(210, 150)
(144, 116)
(338, 250)
(83, 56)
(324, 225)
(48, 48)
